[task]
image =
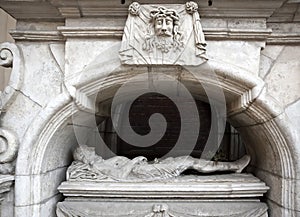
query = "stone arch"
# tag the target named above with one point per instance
(250, 110)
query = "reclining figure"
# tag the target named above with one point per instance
(88, 165)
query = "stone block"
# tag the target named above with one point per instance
(20, 114)
(264, 65)
(76, 52)
(236, 53)
(283, 81)
(60, 147)
(272, 51)
(42, 77)
(43, 187)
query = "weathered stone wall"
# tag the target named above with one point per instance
(63, 60)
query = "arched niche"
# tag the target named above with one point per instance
(250, 110)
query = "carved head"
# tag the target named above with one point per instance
(165, 21)
(85, 154)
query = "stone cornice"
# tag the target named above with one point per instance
(283, 38)
(207, 12)
(60, 9)
(117, 32)
(244, 34)
(93, 32)
(37, 35)
(204, 187)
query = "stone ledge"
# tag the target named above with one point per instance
(228, 186)
(283, 38)
(117, 32)
(36, 35)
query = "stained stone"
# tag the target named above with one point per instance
(69, 59)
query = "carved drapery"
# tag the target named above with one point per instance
(163, 34)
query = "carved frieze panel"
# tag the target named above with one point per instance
(161, 209)
(163, 34)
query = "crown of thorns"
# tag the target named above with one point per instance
(162, 11)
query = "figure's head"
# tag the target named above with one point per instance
(85, 154)
(164, 21)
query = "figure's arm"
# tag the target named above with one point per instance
(127, 168)
(214, 166)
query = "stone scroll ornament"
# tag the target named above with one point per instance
(11, 57)
(163, 34)
(8, 150)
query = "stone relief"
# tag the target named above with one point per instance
(10, 56)
(75, 209)
(164, 34)
(159, 210)
(88, 165)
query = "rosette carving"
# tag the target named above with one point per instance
(134, 8)
(191, 7)
(10, 56)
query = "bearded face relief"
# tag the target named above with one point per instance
(163, 26)
(163, 32)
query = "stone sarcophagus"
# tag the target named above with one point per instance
(122, 187)
(217, 195)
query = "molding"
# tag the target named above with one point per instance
(241, 186)
(204, 12)
(71, 12)
(91, 32)
(59, 9)
(229, 33)
(235, 13)
(117, 32)
(283, 38)
(210, 33)
(110, 12)
(36, 35)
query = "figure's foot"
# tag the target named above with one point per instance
(242, 163)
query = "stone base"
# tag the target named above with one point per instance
(159, 208)
(234, 195)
